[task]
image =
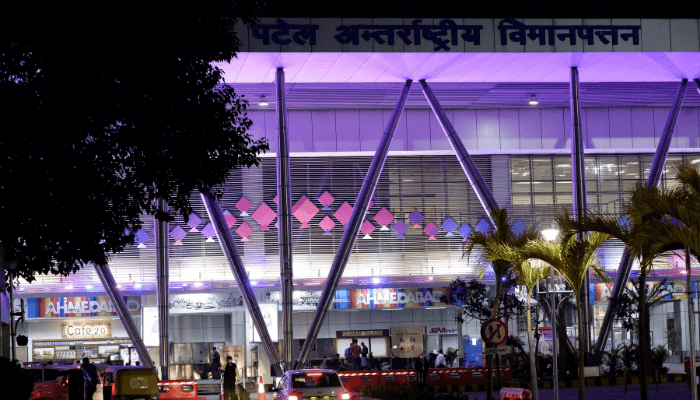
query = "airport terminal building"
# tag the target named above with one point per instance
(513, 93)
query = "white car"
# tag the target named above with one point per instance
(311, 384)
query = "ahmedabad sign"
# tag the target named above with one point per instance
(85, 306)
(390, 298)
(86, 329)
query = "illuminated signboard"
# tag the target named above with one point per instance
(78, 306)
(86, 329)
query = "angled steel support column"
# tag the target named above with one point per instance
(284, 217)
(223, 234)
(657, 167)
(162, 280)
(477, 181)
(110, 287)
(578, 180)
(353, 227)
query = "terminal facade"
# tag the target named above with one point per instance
(506, 88)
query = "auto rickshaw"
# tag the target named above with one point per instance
(129, 382)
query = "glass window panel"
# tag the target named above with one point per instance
(565, 199)
(563, 186)
(539, 199)
(609, 186)
(542, 186)
(542, 168)
(520, 169)
(522, 199)
(521, 187)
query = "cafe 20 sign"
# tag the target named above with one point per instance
(86, 329)
(81, 306)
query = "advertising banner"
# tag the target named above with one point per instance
(236, 352)
(301, 299)
(80, 306)
(407, 341)
(203, 302)
(601, 291)
(270, 316)
(390, 298)
(150, 327)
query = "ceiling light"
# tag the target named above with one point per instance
(254, 283)
(263, 101)
(88, 287)
(69, 287)
(137, 286)
(184, 285)
(119, 286)
(375, 280)
(533, 100)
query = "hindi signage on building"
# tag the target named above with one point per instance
(81, 306)
(438, 35)
(83, 329)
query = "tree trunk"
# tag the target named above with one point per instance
(489, 358)
(643, 338)
(581, 375)
(533, 363)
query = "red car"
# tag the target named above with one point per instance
(57, 382)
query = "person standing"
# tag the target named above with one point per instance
(419, 366)
(215, 364)
(365, 350)
(91, 379)
(440, 360)
(230, 374)
(356, 352)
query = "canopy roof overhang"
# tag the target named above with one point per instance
(309, 67)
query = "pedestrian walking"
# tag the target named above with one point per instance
(230, 375)
(440, 360)
(90, 376)
(356, 353)
(215, 364)
(365, 350)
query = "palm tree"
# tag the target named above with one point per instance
(526, 275)
(657, 221)
(501, 233)
(572, 259)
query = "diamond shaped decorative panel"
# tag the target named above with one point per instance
(367, 228)
(342, 214)
(178, 234)
(431, 230)
(209, 231)
(230, 219)
(244, 231)
(384, 218)
(193, 222)
(264, 215)
(416, 217)
(400, 227)
(243, 205)
(519, 227)
(326, 224)
(449, 224)
(326, 200)
(304, 210)
(483, 226)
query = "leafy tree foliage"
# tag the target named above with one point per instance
(100, 114)
(476, 302)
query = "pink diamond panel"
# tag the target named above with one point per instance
(367, 228)
(342, 214)
(264, 215)
(244, 230)
(326, 200)
(326, 224)
(384, 217)
(304, 210)
(431, 230)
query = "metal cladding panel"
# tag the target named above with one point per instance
(534, 187)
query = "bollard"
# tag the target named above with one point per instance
(515, 393)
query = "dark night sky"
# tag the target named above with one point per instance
(473, 9)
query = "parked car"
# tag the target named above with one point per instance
(311, 384)
(67, 382)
